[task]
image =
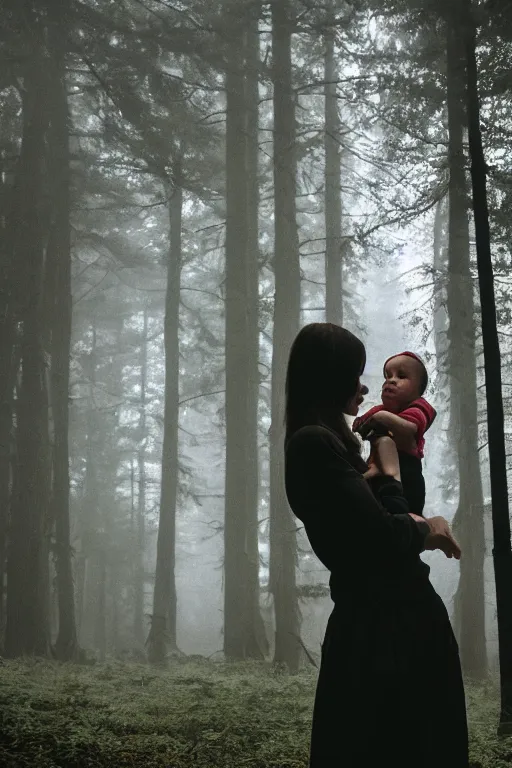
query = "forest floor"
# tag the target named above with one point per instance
(207, 715)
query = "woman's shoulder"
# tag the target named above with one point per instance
(316, 437)
(319, 444)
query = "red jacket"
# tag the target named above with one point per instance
(419, 412)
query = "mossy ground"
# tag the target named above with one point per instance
(206, 715)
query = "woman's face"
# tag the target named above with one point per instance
(353, 405)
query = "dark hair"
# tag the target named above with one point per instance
(324, 367)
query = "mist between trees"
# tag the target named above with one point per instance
(182, 186)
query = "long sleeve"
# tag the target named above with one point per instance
(420, 413)
(338, 508)
(389, 493)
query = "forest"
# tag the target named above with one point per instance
(183, 185)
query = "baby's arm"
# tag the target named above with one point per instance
(404, 431)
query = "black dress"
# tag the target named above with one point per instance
(390, 690)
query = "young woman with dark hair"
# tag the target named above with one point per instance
(390, 689)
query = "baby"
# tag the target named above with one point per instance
(406, 415)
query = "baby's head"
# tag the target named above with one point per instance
(405, 379)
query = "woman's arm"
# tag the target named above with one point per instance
(386, 456)
(320, 481)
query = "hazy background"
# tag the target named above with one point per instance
(182, 186)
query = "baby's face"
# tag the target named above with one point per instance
(402, 384)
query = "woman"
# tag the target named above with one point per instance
(390, 690)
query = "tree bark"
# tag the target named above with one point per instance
(115, 624)
(9, 365)
(104, 549)
(243, 627)
(59, 259)
(114, 382)
(90, 523)
(138, 628)
(440, 282)
(80, 582)
(163, 635)
(469, 604)
(100, 618)
(236, 608)
(256, 640)
(502, 552)
(333, 210)
(27, 624)
(283, 543)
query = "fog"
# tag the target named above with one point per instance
(182, 188)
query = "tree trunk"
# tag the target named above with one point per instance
(333, 214)
(492, 358)
(59, 252)
(9, 350)
(447, 415)
(100, 619)
(115, 629)
(113, 556)
(256, 640)
(440, 281)
(105, 550)
(7, 371)
(243, 628)
(469, 605)
(80, 581)
(236, 608)
(115, 635)
(9, 365)
(89, 523)
(162, 634)
(138, 628)
(27, 626)
(283, 543)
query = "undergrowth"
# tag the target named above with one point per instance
(207, 715)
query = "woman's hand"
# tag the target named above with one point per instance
(373, 470)
(440, 536)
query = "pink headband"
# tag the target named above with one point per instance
(405, 354)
